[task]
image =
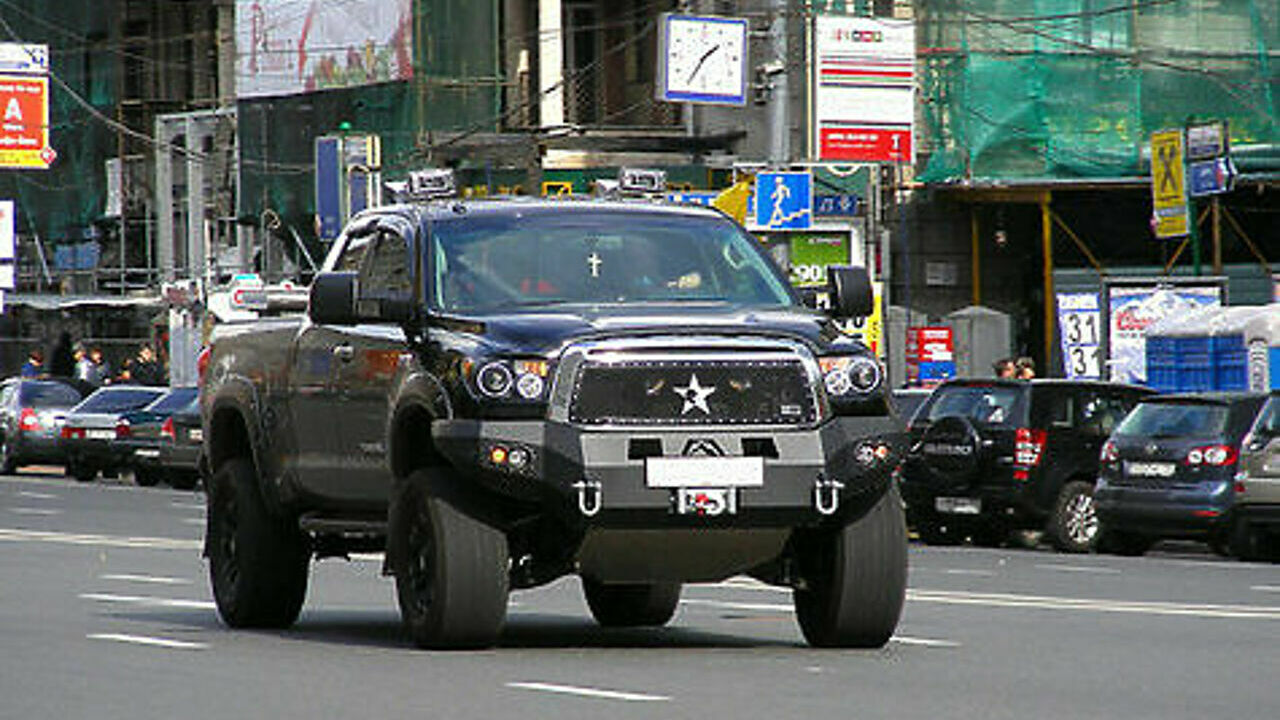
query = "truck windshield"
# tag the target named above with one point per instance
(549, 256)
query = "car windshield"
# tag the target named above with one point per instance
(990, 404)
(1175, 419)
(47, 394)
(173, 401)
(539, 257)
(117, 400)
(1268, 423)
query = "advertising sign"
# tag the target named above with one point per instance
(8, 248)
(1131, 308)
(930, 355)
(864, 88)
(812, 253)
(24, 58)
(784, 200)
(24, 122)
(1080, 322)
(1168, 189)
(285, 47)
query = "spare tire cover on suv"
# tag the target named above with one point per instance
(950, 448)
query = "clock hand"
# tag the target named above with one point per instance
(702, 60)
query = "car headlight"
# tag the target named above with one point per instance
(512, 379)
(845, 376)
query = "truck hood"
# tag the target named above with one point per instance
(543, 331)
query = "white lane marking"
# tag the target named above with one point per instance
(150, 641)
(1266, 588)
(747, 583)
(151, 579)
(1243, 612)
(977, 573)
(184, 505)
(1079, 569)
(924, 642)
(149, 601)
(588, 692)
(118, 541)
(749, 607)
(34, 511)
(37, 495)
(193, 521)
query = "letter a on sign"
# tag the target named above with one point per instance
(13, 111)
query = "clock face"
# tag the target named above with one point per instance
(705, 59)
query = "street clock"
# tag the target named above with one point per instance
(702, 59)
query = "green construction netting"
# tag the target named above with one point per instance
(1062, 89)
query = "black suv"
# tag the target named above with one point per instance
(1169, 469)
(991, 456)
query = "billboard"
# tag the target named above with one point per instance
(24, 107)
(286, 47)
(864, 88)
(1132, 306)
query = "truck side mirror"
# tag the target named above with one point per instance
(333, 299)
(851, 294)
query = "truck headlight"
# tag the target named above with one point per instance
(844, 376)
(512, 379)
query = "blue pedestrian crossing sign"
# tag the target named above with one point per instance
(784, 200)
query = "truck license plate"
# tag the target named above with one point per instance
(958, 505)
(706, 501)
(704, 472)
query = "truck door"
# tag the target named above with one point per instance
(314, 403)
(368, 358)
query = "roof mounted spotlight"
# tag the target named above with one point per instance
(641, 181)
(430, 184)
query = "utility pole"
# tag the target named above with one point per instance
(779, 118)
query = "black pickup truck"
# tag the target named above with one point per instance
(499, 393)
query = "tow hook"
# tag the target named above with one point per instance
(826, 495)
(589, 495)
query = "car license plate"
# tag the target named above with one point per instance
(958, 505)
(1150, 469)
(704, 472)
(100, 434)
(196, 435)
(147, 453)
(707, 501)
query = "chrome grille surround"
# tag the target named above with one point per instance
(684, 356)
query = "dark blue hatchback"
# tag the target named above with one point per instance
(1167, 470)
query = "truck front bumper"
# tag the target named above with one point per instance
(660, 476)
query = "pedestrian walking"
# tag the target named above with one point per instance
(146, 369)
(1026, 368)
(1004, 368)
(34, 366)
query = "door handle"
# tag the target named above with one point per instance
(344, 352)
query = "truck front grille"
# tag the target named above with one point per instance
(693, 392)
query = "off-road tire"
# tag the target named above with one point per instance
(1246, 541)
(452, 583)
(258, 563)
(855, 579)
(631, 604)
(1073, 526)
(183, 480)
(147, 478)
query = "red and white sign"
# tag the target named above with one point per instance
(24, 122)
(934, 344)
(864, 89)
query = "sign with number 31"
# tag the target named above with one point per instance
(1079, 324)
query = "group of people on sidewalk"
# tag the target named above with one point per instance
(1021, 368)
(89, 365)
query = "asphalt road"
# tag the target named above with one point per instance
(105, 612)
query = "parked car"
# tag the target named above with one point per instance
(141, 433)
(908, 400)
(1255, 512)
(991, 456)
(31, 415)
(90, 430)
(1168, 470)
(182, 450)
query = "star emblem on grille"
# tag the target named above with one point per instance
(694, 395)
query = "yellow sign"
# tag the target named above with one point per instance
(557, 187)
(870, 328)
(1168, 186)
